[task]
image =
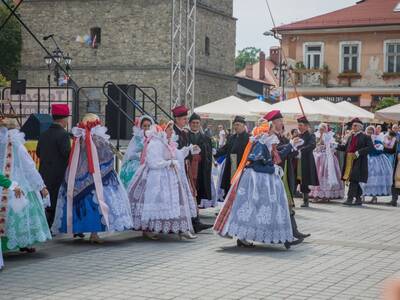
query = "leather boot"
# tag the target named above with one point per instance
(358, 201)
(296, 233)
(395, 197)
(349, 201)
(305, 201)
(198, 226)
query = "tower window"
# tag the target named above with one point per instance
(207, 46)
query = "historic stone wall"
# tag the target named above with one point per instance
(135, 44)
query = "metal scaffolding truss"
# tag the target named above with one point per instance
(183, 53)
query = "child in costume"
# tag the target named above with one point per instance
(131, 161)
(25, 220)
(92, 198)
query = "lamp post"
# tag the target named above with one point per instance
(280, 72)
(57, 56)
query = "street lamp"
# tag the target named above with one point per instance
(280, 73)
(48, 60)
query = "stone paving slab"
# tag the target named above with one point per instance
(351, 253)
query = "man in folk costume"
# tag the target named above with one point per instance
(355, 170)
(308, 170)
(180, 114)
(201, 164)
(53, 150)
(289, 178)
(233, 151)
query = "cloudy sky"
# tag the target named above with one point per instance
(254, 19)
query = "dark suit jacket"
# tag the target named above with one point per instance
(309, 174)
(359, 172)
(53, 150)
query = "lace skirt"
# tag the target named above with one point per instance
(178, 208)
(26, 227)
(86, 213)
(260, 210)
(128, 171)
(331, 185)
(380, 176)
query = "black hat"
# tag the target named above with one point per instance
(193, 117)
(356, 120)
(303, 120)
(239, 119)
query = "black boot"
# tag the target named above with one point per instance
(358, 201)
(198, 226)
(395, 196)
(296, 233)
(349, 201)
(305, 201)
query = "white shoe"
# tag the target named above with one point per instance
(187, 235)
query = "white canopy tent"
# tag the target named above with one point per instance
(259, 107)
(355, 111)
(226, 109)
(391, 113)
(314, 111)
(337, 114)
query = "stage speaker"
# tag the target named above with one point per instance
(125, 126)
(36, 125)
(95, 35)
(18, 87)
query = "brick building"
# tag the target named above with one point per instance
(351, 54)
(135, 44)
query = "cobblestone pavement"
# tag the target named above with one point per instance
(350, 254)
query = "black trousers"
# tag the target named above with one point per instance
(395, 194)
(304, 189)
(51, 211)
(355, 190)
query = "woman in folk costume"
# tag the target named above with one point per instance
(160, 195)
(390, 146)
(329, 174)
(256, 207)
(92, 198)
(12, 186)
(131, 161)
(380, 169)
(23, 222)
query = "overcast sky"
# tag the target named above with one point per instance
(254, 20)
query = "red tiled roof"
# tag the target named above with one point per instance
(364, 13)
(269, 74)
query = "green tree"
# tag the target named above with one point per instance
(248, 55)
(386, 102)
(10, 45)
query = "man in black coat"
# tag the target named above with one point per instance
(180, 114)
(201, 164)
(233, 150)
(309, 174)
(53, 150)
(355, 168)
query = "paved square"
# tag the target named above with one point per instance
(350, 254)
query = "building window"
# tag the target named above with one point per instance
(207, 46)
(350, 57)
(314, 55)
(392, 56)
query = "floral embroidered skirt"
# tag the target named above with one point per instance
(27, 226)
(260, 210)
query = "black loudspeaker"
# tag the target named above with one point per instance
(36, 125)
(95, 35)
(18, 87)
(125, 129)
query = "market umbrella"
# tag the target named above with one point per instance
(391, 113)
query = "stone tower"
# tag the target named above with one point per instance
(135, 44)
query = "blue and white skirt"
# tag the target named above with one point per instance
(380, 176)
(260, 210)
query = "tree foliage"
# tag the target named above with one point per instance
(10, 45)
(386, 102)
(248, 55)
